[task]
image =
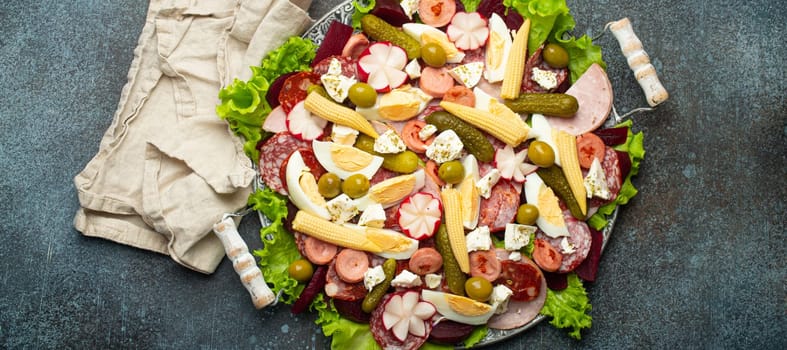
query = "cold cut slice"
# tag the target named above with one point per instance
(338, 289)
(425, 260)
(435, 81)
(386, 339)
(485, 264)
(273, 153)
(593, 92)
(519, 313)
(500, 208)
(351, 265)
(579, 239)
(523, 277)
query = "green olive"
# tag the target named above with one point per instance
(329, 185)
(527, 214)
(365, 143)
(555, 55)
(355, 185)
(540, 153)
(362, 95)
(301, 270)
(451, 172)
(433, 55)
(478, 288)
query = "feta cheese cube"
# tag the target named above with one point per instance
(468, 74)
(373, 276)
(518, 236)
(389, 143)
(373, 216)
(566, 247)
(515, 256)
(446, 146)
(413, 69)
(499, 298)
(406, 279)
(426, 132)
(547, 79)
(596, 181)
(433, 280)
(342, 209)
(410, 7)
(478, 239)
(344, 135)
(485, 184)
(336, 84)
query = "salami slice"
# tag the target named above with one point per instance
(537, 61)
(519, 313)
(274, 152)
(294, 89)
(523, 277)
(500, 209)
(338, 289)
(349, 66)
(611, 166)
(308, 158)
(580, 239)
(385, 337)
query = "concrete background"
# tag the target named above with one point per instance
(697, 259)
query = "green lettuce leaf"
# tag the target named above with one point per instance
(362, 7)
(279, 249)
(470, 5)
(345, 334)
(542, 14)
(569, 307)
(243, 103)
(635, 148)
(478, 333)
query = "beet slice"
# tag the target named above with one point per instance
(625, 164)
(450, 332)
(316, 284)
(513, 19)
(351, 310)
(613, 136)
(337, 36)
(272, 96)
(390, 11)
(556, 281)
(587, 269)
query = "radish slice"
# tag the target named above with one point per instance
(510, 163)
(303, 124)
(419, 215)
(381, 65)
(405, 314)
(468, 31)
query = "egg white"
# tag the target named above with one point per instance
(323, 149)
(533, 187)
(295, 167)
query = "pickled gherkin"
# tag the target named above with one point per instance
(556, 105)
(379, 30)
(454, 277)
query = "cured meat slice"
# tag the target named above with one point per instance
(273, 153)
(520, 313)
(349, 66)
(537, 61)
(386, 339)
(580, 239)
(308, 158)
(500, 208)
(294, 89)
(523, 277)
(338, 289)
(611, 166)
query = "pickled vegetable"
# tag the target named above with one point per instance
(362, 95)
(451, 172)
(374, 297)
(474, 140)
(356, 186)
(554, 178)
(329, 185)
(556, 105)
(454, 277)
(555, 55)
(433, 55)
(478, 288)
(403, 162)
(541, 153)
(301, 270)
(526, 214)
(379, 30)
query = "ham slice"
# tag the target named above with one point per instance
(593, 92)
(520, 313)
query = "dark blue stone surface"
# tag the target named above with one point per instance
(697, 259)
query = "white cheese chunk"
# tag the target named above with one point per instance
(334, 67)
(344, 135)
(410, 7)
(406, 279)
(426, 132)
(518, 236)
(413, 69)
(433, 280)
(596, 181)
(373, 276)
(566, 247)
(515, 256)
(547, 79)
(468, 74)
(499, 298)
(336, 84)
(446, 146)
(373, 216)
(342, 209)
(389, 142)
(478, 239)
(486, 183)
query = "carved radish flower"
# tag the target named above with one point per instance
(406, 314)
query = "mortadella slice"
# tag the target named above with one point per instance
(593, 92)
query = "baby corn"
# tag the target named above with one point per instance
(334, 112)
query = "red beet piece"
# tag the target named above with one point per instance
(587, 270)
(351, 310)
(625, 164)
(390, 11)
(556, 281)
(449, 332)
(316, 284)
(513, 19)
(272, 96)
(337, 36)
(613, 136)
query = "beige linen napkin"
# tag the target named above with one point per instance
(168, 168)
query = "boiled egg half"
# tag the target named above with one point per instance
(469, 194)
(344, 160)
(302, 187)
(550, 216)
(394, 244)
(458, 308)
(392, 191)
